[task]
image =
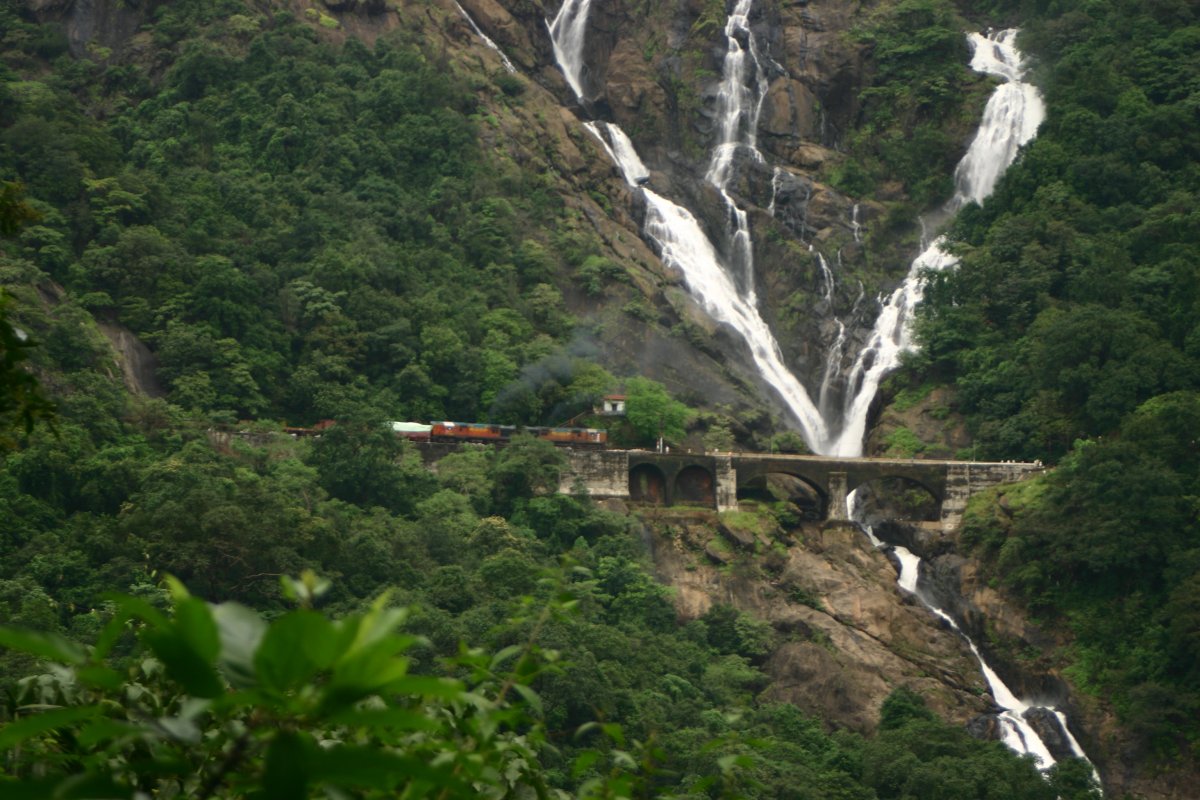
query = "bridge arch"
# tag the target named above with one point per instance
(648, 484)
(788, 485)
(902, 496)
(695, 485)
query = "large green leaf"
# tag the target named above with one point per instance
(286, 774)
(47, 645)
(184, 664)
(241, 633)
(187, 648)
(388, 718)
(367, 767)
(26, 727)
(195, 624)
(71, 787)
(187, 644)
(100, 677)
(294, 648)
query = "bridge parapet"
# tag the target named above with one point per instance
(965, 478)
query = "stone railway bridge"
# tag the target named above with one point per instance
(718, 480)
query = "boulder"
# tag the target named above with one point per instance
(1048, 727)
(717, 553)
(738, 537)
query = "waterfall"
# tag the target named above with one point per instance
(776, 174)
(508, 65)
(1012, 116)
(567, 31)
(833, 365)
(683, 246)
(1015, 731)
(826, 278)
(1010, 119)
(739, 104)
(681, 242)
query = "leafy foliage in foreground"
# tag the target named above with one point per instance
(218, 702)
(224, 704)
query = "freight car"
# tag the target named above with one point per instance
(445, 431)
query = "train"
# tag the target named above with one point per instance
(446, 431)
(484, 432)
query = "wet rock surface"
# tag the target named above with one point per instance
(1051, 732)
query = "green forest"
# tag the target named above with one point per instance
(305, 227)
(1072, 334)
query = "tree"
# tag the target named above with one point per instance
(21, 400)
(525, 468)
(363, 462)
(14, 211)
(653, 413)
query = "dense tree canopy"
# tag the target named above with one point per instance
(291, 226)
(1071, 332)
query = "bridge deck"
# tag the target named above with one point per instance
(899, 462)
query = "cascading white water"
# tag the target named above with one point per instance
(776, 174)
(833, 365)
(680, 239)
(1015, 730)
(739, 103)
(1011, 118)
(827, 281)
(567, 31)
(508, 65)
(684, 246)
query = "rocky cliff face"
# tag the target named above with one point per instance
(654, 69)
(94, 28)
(846, 636)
